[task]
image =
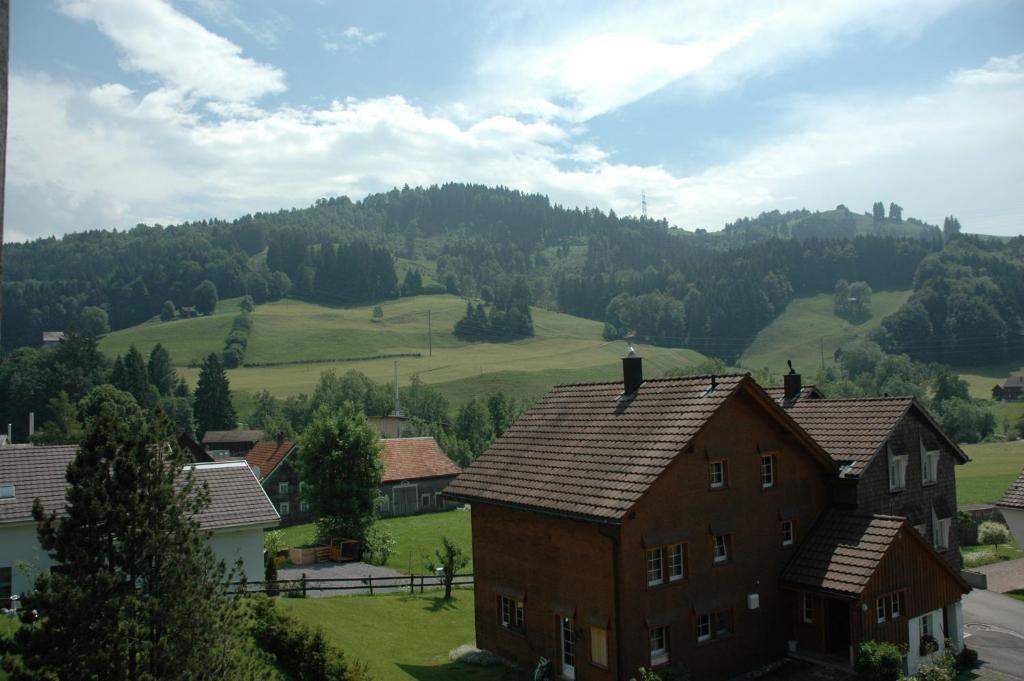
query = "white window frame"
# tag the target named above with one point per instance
(599, 653)
(511, 614)
(880, 613)
(787, 533)
(717, 482)
(303, 506)
(659, 655)
(703, 625)
(284, 508)
(721, 548)
(940, 538)
(655, 566)
(897, 471)
(282, 487)
(929, 465)
(808, 608)
(926, 625)
(767, 471)
(896, 605)
(676, 563)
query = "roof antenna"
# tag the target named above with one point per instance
(789, 362)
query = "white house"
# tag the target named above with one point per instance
(238, 513)
(1012, 507)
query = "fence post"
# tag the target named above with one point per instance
(303, 584)
(412, 584)
(421, 583)
(369, 578)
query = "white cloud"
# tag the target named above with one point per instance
(155, 38)
(351, 39)
(997, 71)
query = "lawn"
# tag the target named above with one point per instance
(415, 535)
(564, 348)
(378, 630)
(797, 333)
(976, 556)
(992, 468)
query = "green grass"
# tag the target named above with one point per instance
(415, 535)
(981, 378)
(564, 348)
(797, 333)
(992, 468)
(400, 636)
(1016, 593)
(976, 556)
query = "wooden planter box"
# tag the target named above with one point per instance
(303, 556)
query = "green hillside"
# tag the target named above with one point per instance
(294, 342)
(806, 325)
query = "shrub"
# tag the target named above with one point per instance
(879, 661)
(168, 311)
(378, 545)
(993, 534)
(928, 645)
(934, 672)
(968, 658)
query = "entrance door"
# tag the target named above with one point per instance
(837, 623)
(405, 499)
(568, 648)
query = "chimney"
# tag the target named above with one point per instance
(791, 383)
(632, 372)
(31, 423)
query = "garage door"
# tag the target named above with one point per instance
(404, 500)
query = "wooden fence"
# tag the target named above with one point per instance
(300, 588)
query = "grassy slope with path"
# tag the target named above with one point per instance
(564, 349)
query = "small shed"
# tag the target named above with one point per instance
(52, 339)
(1010, 389)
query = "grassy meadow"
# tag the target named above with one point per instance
(564, 348)
(797, 333)
(992, 468)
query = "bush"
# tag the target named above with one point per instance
(967, 659)
(378, 545)
(879, 661)
(168, 311)
(934, 672)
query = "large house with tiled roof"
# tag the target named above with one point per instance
(416, 471)
(237, 515)
(275, 464)
(689, 521)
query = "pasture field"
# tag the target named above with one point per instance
(992, 468)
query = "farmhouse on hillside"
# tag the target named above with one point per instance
(416, 471)
(1010, 389)
(231, 442)
(1011, 505)
(238, 513)
(696, 522)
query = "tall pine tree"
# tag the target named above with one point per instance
(161, 369)
(138, 593)
(213, 408)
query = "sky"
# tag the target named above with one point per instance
(154, 111)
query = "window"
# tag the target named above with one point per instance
(890, 607)
(880, 610)
(676, 563)
(897, 472)
(303, 506)
(282, 488)
(896, 605)
(599, 646)
(941, 538)
(659, 646)
(285, 508)
(767, 471)
(808, 608)
(926, 625)
(510, 613)
(703, 628)
(6, 586)
(723, 623)
(722, 548)
(718, 474)
(424, 501)
(438, 500)
(654, 573)
(929, 465)
(787, 532)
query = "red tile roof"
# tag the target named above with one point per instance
(582, 452)
(236, 497)
(854, 430)
(267, 456)
(1014, 495)
(412, 458)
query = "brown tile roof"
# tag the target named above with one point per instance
(218, 437)
(267, 456)
(777, 393)
(842, 552)
(411, 458)
(236, 497)
(1014, 495)
(1012, 382)
(582, 453)
(34, 472)
(854, 430)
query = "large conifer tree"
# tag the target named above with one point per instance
(213, 407)
(137, 593)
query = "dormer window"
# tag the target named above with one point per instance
(7, 491)
(929, 465)
(897, 471)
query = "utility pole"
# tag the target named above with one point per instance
(430, 338)
(822, 355)
(5, 15)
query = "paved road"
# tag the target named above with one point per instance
(1005, 576)
(994, 626)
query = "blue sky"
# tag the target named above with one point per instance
(127, 111)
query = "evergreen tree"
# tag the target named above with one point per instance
(895, 212)
(138, 593)
(339, 460)
(161, 369)
(473, 429)
(63, 426)
(132, 376)
(878, 211)
(212, 404)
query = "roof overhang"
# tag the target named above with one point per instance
(597, 520)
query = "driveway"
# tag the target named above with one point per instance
(1005, 576)
(994, 626)
(360, 575)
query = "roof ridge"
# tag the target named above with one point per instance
(660, 379)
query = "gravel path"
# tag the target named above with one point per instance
(1005, 576)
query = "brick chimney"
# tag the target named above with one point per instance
(791, 383)
(632, 372)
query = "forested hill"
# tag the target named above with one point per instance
(674, 287)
